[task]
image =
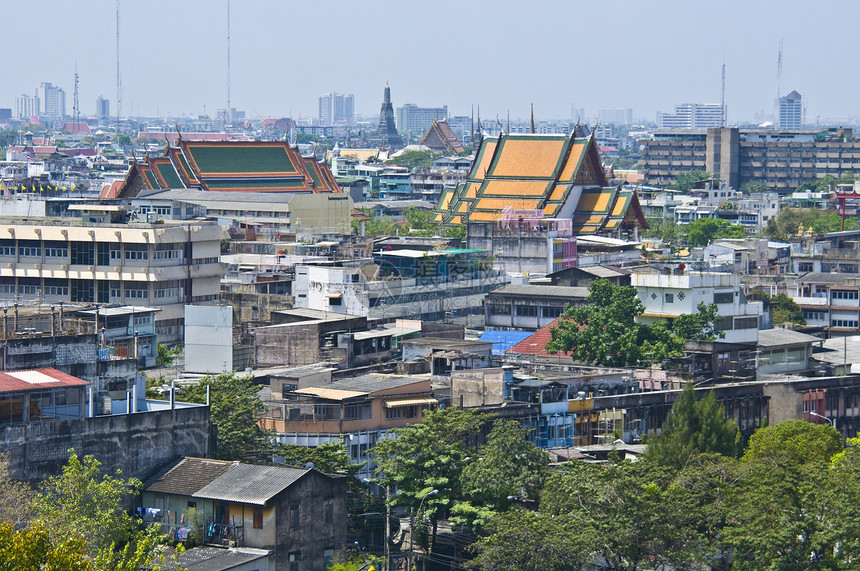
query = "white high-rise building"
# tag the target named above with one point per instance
(337, 109)
(418, 120)
(791, 111)
(53, 102)
(26, 106)
(615, 116)
(692, 116)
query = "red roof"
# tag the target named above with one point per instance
(111, 190)
(37, 380)
(76, 128)
(535, 344)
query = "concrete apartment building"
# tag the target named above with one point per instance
(693, 116)
(98, 258)
(782, 159)
(668, 295)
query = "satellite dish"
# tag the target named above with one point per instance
(309, 466)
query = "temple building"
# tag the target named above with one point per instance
(440, 137)
(257, 166)
(528, 198)
(386, 132)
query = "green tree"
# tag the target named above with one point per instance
(430, 455)
(789, 221)
(789, 509)
(235, 407)
(703, 231)
(693, 427)
(14, 496)
(605, 331)
(508, 466)
(687, 180)
(32, 548)
(414, 159)
(86, 507)
(786, 310)
(753, 186)
(527, 541)
(329, 457)
(121, 139)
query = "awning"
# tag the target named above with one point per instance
(410, 402)
(334, 295)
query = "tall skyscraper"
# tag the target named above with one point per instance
(26, 106)
(791, 111)
(337, 109)
(692, 116)
(53, 102)
(386, 132)
(102, 109)
(417, 120)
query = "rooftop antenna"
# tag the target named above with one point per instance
(723, 98)
(118, 78)
(77, 109)
(778, 84)
(229, 107)
(532, 123)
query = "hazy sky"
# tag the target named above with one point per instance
(499, 54)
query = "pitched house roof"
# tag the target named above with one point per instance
(535, 344)
(440, 137)
(272, 166)
(187, 476)
(552, 176)
(224, 480)
(37, 380)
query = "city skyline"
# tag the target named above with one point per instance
(559, 56)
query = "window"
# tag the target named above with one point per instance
(551, 311)
(136, 253)
(328, 511)
(527, 311)
(804, 267)
(294, 559)
(258, 517)
(500, 309)
(810, 315)
(670, 298)
(746, 323)
(844, 294)
(294, 516)
(845, 323)
(724, 297)
(723, 324)
(192, 504)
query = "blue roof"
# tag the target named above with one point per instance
(503, 340)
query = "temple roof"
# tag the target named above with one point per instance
(230, 166)
(440, 137)
(552, 176)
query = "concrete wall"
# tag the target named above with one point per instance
(245, 304)
(478, 387)
(313, 535)
(138, 444)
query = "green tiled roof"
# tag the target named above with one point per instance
(242, 159)
(168, 173)
(253, 183)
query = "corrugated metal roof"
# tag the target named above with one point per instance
(409, 402)
(330, 394)
(542, 291)
(37, 380)
(250, 484)
(779, 337)
(503, 340)
(188, 476)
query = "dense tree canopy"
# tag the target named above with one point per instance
(605, 331)
(688, 180)
(693, 427)
(789, 221)
(235, 407)
(703, 231)
(414, 159)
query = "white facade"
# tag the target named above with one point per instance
(668, 296)
(27, 106)
(91, 260)
(208, 339)
(692, 116)
(338, 290)
(53, 102)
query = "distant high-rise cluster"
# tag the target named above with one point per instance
(791, 111)
(692, 116)
(337, 109)
(615, 116)
(48, 103)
